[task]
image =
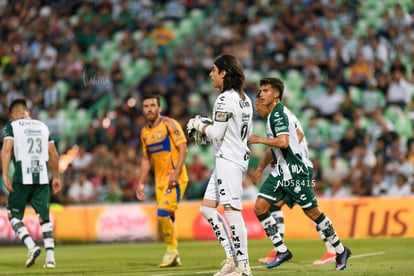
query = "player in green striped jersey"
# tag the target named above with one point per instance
(290, 176)
(27, 142)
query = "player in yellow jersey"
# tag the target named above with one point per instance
(164, 146)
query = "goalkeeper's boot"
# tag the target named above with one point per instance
(49, 264)
(268, 258)
(327, 258)
(32, 255)
(228, 267)
(169, 259)
(240, 272)
(341, 259)
(279, 259)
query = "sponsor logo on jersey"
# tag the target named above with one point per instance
(33, 132)
(297, 189)
(245, 117)
(298, 169)
(244, 104)
(282, 166)
(220, 106)
(279, 167)
(221, 116)
(281, 129)
(278, 120)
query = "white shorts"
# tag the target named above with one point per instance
(225, 184)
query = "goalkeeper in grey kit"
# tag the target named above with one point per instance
(232, 125)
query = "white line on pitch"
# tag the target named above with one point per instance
(261, 266)
(367, 254)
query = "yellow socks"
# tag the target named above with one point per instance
(169, 233)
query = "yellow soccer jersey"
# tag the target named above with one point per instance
(161, 144)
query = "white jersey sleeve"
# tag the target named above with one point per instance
(232, 125)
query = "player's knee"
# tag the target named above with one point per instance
(313, 213)
(261, 206)
(258, 210)
(206, 211)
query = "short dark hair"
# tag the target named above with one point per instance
(152, 96)
(234, 78)
(17, 102)
(275, 83)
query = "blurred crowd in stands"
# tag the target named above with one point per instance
(84, 65)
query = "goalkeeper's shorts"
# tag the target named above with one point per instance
(225, 184)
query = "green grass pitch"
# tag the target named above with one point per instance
(393, 256)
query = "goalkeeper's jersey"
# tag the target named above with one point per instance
(288, 161)
(31, 140)
(229, 108)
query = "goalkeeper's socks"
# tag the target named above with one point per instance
(220, 229)
(239, 233)
(21, 231)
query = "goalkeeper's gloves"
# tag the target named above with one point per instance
(195, 127)
(200, 138)
(197, 123)
(190, 127)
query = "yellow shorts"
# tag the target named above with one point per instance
(168, 199)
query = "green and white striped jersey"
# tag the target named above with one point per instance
(31, 140)
(304, 143)
(288, 160)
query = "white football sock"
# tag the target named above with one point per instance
(48, 240)
(21, 231)
(327, 228)
(220, 229)
(329, 247)
(239, 232)
(280, 221)
(270, 227)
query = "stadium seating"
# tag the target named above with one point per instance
(197, 17)
(370, 14)
(294, 79)
(355, 93)
(400, 120)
